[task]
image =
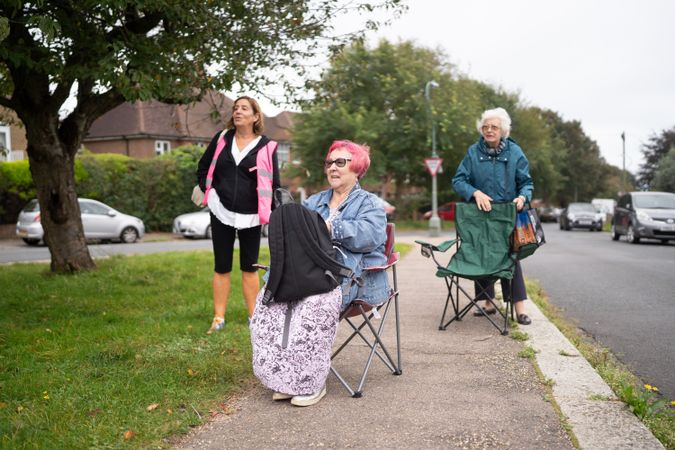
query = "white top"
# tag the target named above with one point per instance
(233, 219)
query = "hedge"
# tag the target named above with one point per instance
(155, 190)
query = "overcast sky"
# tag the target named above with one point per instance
(608, 64)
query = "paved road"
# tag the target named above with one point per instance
(14, 250)
(622, 294)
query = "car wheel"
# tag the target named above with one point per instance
(207, 235)
(31, 241)
(129, 235)
(615, 235)
(664, 241)
(631, 236)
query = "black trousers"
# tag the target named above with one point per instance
(486, 288)
(223, 246)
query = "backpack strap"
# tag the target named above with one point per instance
(302, 220)
(212, 167)
(276, 243)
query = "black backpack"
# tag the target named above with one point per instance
(302, 257)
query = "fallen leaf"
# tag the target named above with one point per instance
(19, 408)
(191, 372)
(94, 412)
(169, 411)
(3, 405)
(129, 434)
(152, 407)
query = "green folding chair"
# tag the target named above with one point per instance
(483, 247)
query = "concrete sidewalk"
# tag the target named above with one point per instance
(465, 387)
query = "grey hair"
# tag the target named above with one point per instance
(498, 113)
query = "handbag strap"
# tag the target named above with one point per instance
(212, 167)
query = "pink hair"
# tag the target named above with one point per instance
(360, 155)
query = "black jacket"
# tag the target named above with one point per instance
(235, 185)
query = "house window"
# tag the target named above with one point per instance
(283, 153)
(5, 143)
(162, 147)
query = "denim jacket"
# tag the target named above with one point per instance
(503, 177)
(359, 233)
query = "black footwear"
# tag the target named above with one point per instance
(523, 319)
(479, 312)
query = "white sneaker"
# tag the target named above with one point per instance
(308, 400)
(276, 396)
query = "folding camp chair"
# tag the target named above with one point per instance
(361, 318)
(483, 252)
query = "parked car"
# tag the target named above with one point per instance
(198, 224)
(547, 214)
(648, 215)
(100, 222)
(193, 225)
(580, 215)
(446, 211)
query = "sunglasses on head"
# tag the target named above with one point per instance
(340, 162)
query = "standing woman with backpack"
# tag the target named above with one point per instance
(238, 173)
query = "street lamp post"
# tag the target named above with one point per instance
(435, 221)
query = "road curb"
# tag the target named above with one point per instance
(599, 420)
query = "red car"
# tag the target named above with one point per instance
(446, 211)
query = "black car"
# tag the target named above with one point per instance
(580, 215)
(547, 214)
(648, 215)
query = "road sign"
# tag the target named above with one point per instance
(433, 165)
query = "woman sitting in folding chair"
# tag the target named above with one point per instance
(495, 169)
(357, 224)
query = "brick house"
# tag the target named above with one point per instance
(150, 128)
(13, 141)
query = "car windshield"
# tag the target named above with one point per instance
(582, 207)
(666, 201)
(32, 206)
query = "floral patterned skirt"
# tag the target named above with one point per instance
(303, 366)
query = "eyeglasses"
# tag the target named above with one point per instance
(490, 127)
(340, 162)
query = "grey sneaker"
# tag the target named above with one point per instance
(276, 396)
(217, 324)
(308, 400)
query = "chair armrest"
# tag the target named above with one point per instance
(393, 259)
(440, 247)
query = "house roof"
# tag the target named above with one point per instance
(200, 120)
(279, 127)
(152, 118)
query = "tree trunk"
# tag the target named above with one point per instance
(53, 170)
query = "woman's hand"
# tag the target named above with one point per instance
(520, 202)
(483, 201)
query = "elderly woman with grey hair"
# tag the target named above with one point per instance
(495, 169)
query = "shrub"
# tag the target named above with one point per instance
(156, 190)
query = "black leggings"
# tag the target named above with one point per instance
(223, 246)
(485, 288)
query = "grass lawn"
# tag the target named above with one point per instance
(117, 357)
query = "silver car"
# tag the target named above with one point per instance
(100, 222)
(193, 225)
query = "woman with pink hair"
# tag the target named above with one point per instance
(357, 224)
